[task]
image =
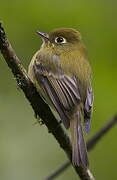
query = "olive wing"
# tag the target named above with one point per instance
(62, 90)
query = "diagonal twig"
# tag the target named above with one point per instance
(90, 144)
(37, 102)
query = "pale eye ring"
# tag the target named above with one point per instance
(60, 40)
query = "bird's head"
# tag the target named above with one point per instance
(62, 39)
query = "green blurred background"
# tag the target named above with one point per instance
(27, 151)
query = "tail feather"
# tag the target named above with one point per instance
(79, 152)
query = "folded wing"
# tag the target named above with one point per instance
(62, 90)
(88, 109)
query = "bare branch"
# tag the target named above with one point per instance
(37, 102)
(58, 171)
(94, 140)
(90, 144)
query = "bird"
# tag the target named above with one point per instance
(62, 74)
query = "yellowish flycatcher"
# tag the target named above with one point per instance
(62, 75)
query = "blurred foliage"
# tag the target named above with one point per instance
(28, 152)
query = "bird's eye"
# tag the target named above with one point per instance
(60, 40)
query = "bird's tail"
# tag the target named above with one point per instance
(79, 151)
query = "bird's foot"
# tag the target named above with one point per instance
(39, 120)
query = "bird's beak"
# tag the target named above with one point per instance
(43, 35)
